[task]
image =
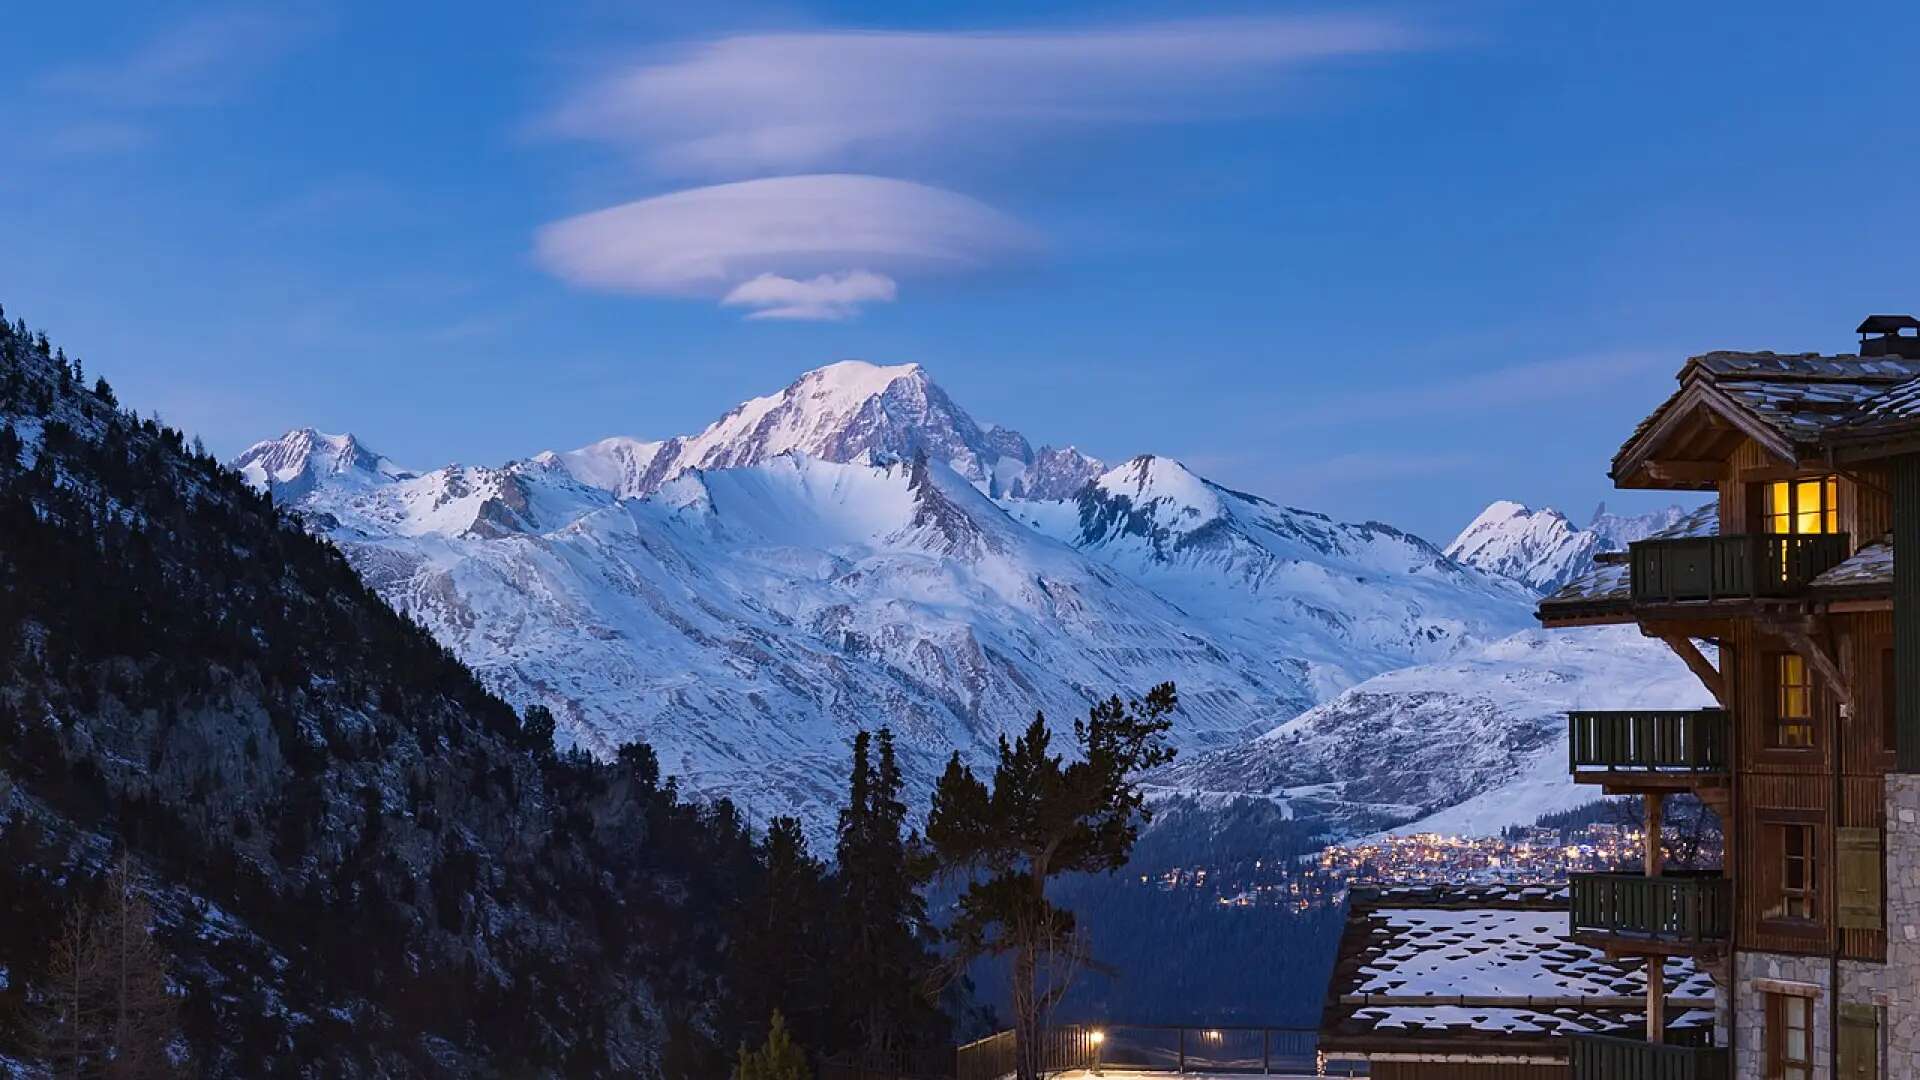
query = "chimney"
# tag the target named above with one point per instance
(1880, 335)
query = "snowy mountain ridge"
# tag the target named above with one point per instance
(856, 550)
(1542, 548)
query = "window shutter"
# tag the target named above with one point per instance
(1859, 874)
(1859, 1042)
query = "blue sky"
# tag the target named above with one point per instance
(1386, 261)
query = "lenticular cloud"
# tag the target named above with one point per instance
(791, 247)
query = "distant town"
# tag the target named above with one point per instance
(1532, 855)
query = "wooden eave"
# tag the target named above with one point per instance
(1695, 428)
(1610, 613)
(1873, 444)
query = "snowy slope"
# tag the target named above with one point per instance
(1541, 548)
(1466, 745)
(857, 550)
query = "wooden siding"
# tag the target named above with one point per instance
(1775, 783)
(1866, 502)
(1739, 508)
(1906, 601)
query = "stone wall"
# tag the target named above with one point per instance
(1900, 1024)
(1894, 987)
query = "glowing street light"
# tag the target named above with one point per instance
(1096, 1037)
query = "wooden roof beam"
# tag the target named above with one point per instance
(1798, 634)
(1687, 472)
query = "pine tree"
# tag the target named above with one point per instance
(778, 948)
(1042, 818)
(883, 961)
(777, 1059)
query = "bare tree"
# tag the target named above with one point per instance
(107, 1010)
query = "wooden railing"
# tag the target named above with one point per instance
(1730, 567)
(1235, 1049)
(1694, 740)
(1672, 908)
(1601, 1057)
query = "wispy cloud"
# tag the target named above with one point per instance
(1533, 382)
(791, 247)
(114, 104)
(821, 298)
(837, 107)
(779, 102)
(201, 61)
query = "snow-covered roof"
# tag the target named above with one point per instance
(1492, 971)
(1868, 570)
(1794, 403)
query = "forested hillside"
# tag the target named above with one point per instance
(359, 862)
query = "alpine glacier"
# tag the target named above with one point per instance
(856, 550)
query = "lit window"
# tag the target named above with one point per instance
(1789, 1037)
(1792, 702)
(1803, 507)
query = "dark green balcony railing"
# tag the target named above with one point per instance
(1602, 1057)
(1672, 908)
(1730, 567)
(1648, 741)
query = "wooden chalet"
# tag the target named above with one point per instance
(1785, 598)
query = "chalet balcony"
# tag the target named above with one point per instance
(1692, 568)
(1601, 1057)
(1653, 745)
(1672, 913)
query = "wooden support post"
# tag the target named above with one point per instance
(1656, 999)
(1654, 855)
(1183, 1051)
(1696, 662)
(1654, 860)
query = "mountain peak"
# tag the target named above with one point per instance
(1542, 548)
(857, 378)
(291, 465)
(1148, 477)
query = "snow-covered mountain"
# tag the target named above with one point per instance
(1542, 549)
(1465, 745)
(857, 550)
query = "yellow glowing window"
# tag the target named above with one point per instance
(1793, 701)
(1803, 507)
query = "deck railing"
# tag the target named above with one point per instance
(1730, 567)
(1601, 1057)
(1693, 740)
(1240, 1050)
(1671, 908)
